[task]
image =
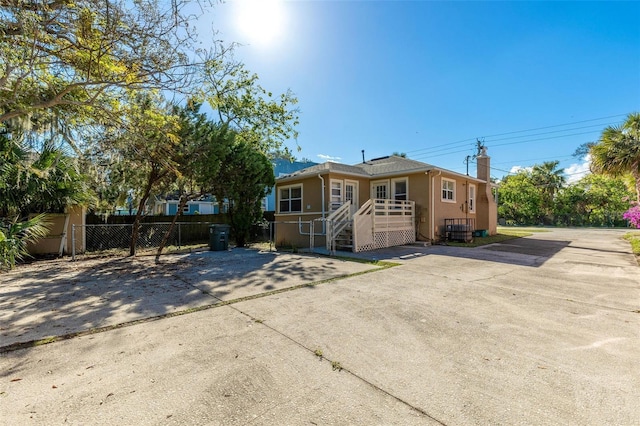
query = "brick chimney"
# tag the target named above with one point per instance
(483, 165)
(487, 217)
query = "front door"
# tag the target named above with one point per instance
(380, 189)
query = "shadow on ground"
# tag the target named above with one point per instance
(54, 298)
(519, 251)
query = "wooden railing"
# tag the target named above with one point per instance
(336, 223)
(383, 223)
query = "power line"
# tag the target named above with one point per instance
(555, 131)
(542, 139)
(557, 125)
(466, 141)
(424, 155)
(564, 157)
(447, 147)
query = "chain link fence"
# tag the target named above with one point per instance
(114, 238)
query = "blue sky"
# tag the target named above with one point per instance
(534, 79)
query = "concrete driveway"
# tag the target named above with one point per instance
(542, 330)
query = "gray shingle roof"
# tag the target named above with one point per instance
(377, 167)
(392, 164)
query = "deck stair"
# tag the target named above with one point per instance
(344, 240)
(337, 224)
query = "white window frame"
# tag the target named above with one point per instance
(472, 198)
(448, 190)
(335, 201)
(289, 199)
(393, 188)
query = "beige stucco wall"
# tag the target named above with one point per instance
(287, 233)
(291, 233)
(312, 208)
(430, 215)
(51, 243)
(487, 206)
(487, 210)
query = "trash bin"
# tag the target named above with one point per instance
(218, 237)
(481, 233)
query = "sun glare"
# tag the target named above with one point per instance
(261, 21)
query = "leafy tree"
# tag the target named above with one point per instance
(257, 116)
(617, 152)
(145, 150)
(571, 206)
(245, 178)
(63, 56)
(595, 200)
(519, 199)
(204, 147)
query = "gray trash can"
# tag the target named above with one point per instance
(218, 237)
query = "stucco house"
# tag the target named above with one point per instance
(382, 202)
(281, 167)
(204, 205)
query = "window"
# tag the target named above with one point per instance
(399, 187)
(472, 198)
(448, 190)
(336, 194)
(291, 199)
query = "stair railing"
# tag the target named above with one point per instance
(336, 223)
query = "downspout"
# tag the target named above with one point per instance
(432, 214)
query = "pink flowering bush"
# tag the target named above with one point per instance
(633, 216)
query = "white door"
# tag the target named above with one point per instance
(380, 189)
(351, 194)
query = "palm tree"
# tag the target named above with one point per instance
(618, 151)
(15, 235)
(30, 183)
(549, 179)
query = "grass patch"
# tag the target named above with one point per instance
(634, 239)
(517, 229)
(503, 234)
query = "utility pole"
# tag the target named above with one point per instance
(480, 146)
(466, 160)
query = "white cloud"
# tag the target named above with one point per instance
(575, 172)
(329, 158)
(516, 169)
